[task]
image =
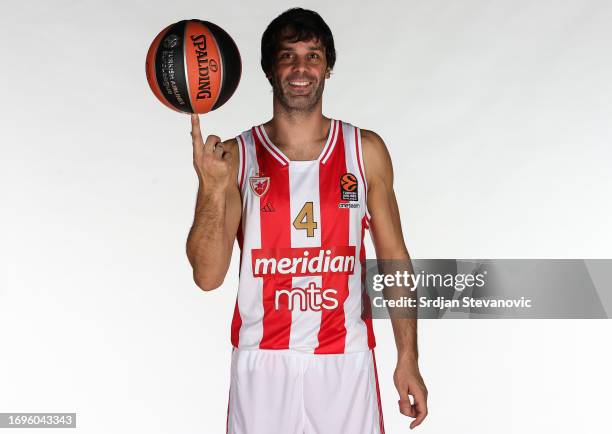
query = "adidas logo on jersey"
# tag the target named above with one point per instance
(268, 207)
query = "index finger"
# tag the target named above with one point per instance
(196, 134)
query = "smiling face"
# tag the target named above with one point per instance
(298, 74)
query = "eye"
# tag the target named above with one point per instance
(314, 56)
(285, 55)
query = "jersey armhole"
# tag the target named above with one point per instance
(241, 162)
(361, 166)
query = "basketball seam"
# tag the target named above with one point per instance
(187, 82)
(222, 66)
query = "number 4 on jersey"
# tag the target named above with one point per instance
(305, 219)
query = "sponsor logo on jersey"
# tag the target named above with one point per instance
(348, 187)
(268, 207)
(348, 205)
(259, 184)
(306, 261)
(312, 298)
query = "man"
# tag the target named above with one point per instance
(298, 192)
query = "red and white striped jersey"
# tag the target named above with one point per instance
(301, 238)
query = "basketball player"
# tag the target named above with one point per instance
(298, 193)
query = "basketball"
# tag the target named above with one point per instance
(193, 66)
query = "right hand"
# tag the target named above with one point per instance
(211, 162)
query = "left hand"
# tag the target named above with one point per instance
(408, 381)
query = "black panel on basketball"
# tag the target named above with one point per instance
(170, 67)
(231, 63)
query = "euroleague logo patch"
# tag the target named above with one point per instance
(348, 187)
(259, 184)
(171, 41)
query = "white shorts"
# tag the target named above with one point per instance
(288, 392)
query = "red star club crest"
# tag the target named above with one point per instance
(259, 184)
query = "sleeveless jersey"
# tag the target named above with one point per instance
(301, 282)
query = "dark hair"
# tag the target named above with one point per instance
(301, 25)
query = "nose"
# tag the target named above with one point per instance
(299, 63)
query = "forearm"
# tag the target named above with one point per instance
(208, 244)
(405, 333)
(403, 319)
(393, 259)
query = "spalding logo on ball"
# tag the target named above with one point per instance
(193, 66)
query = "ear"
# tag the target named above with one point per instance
(328, 73)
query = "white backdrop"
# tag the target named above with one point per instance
(497, 116)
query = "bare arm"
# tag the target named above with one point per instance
(218, 208)
(386, 230)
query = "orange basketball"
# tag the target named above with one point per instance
(193, 66)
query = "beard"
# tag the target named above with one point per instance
(297, 103)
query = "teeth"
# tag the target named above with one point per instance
(299, 83)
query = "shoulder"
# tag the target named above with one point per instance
(372, 141)
(376, 158)
(236, 146)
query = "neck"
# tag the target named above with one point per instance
(297, 130)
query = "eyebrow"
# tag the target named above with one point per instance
(310, 48)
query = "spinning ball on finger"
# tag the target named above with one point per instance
(193, 66)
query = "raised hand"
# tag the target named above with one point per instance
(211, 162)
